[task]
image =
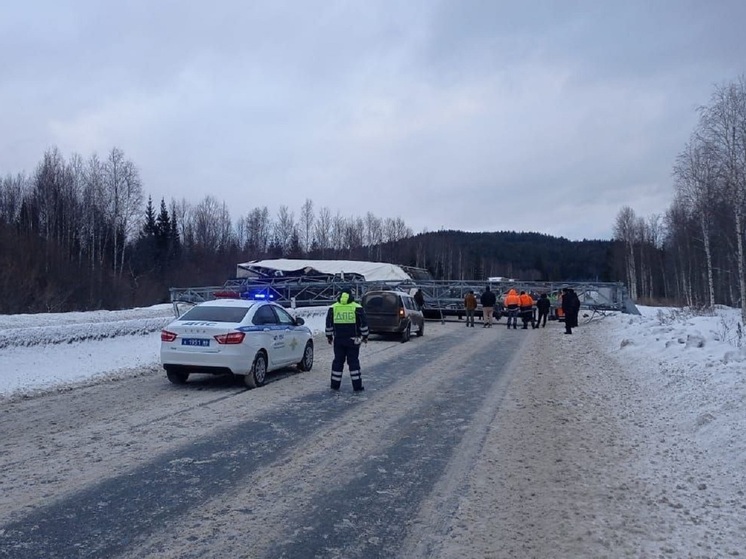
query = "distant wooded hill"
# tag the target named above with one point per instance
(527, 256)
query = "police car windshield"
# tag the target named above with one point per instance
(216, 314)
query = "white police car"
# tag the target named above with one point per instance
(246, 338)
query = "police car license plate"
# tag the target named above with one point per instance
(199, 342)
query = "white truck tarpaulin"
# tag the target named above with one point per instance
(371, 271)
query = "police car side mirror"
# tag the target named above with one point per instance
(299, 321)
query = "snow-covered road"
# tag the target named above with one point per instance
(466, 443)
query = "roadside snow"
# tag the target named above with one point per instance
(625, 440)
(55, 351)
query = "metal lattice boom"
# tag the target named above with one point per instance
(442, 297)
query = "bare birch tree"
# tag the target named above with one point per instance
(389, 230)
(696, 174)
(306, 224)
(285, 228)
(322, 230)
(677, 225)
(259, 228)
(373, 236)
(211, 223)
(241, 232)
(181, 212)
(353, 233)
(723, 124)
(12, 189)
(95, 229)
(625, 231)
(125, 198)
(337, 232)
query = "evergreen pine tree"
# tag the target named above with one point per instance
(175, 239)
(163, 232)
(144, 255)
(149, 228)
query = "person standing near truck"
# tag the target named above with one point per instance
(512, 303)
(488, 301)
(543, 305)
(526, 306)
(419, 298)
(470, 304)
(570, 308)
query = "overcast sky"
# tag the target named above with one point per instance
(475, 115)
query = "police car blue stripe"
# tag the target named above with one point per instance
(263, 327)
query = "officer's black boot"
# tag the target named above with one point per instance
(357, 381)
(336, 380)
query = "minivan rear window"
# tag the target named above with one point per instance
(381, 303)
(216, 314)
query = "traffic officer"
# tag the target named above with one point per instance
(346, 327)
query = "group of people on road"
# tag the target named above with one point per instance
(521, 305)
(488, 300)
(347, 325)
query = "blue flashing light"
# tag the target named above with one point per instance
(263, 295)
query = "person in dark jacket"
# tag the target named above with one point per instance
(488, 301)
(346, 328)
(576, 308)
(570, 308)
(419, 298)
(543, 305)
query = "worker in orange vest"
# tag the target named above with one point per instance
(512, 303)
(527, 309)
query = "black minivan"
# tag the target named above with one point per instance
(393, 312)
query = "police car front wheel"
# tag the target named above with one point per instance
(307, 362)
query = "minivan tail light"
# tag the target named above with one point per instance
(167, 336)
(230, 338)
(401, 312)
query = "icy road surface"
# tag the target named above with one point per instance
(466, 443)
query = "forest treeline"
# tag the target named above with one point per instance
(79, 234)
(527, 256)
(693, 254)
